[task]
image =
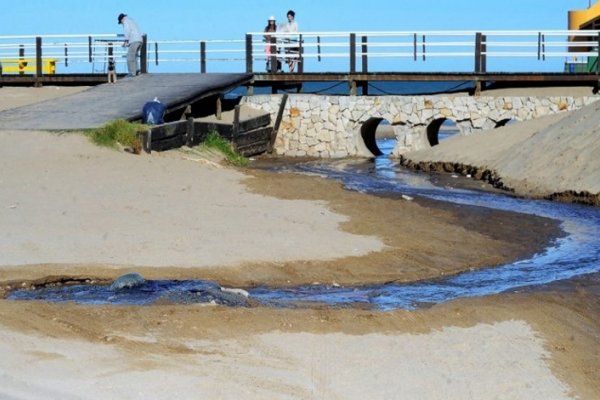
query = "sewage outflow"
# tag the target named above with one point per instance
(576, 253)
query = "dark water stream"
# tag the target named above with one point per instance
(575, 254)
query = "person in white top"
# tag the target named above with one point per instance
(291, 27)
(133, 42)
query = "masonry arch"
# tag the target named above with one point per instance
(440, 129)
(368, 132)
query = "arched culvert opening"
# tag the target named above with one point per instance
(505, 122)
(441, 129)
(368, 132)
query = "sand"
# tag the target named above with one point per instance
(550, 156)
(71, 209)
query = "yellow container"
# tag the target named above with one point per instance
(27, 66)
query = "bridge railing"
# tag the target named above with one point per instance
(319, 52)
(77, 53)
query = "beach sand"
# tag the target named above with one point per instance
(70, 209)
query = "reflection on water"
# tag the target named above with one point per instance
(575, 254)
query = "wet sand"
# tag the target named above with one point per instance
(70, 209)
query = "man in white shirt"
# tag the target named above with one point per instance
(133, 42)
(291, 40)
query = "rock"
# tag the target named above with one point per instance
(240, 292)
(128, 281)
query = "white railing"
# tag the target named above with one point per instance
(320, 52)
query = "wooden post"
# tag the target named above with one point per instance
(319, 48)
(365, 65)
(90, 55)
(365, 57)
(273, 52)
(38, 61)
(144, 55)
(203, 57)
(155, 53)
(352, 84)
(21, 59)
(483, 53)
(236, 122)
(543, 47)
(146, 139)
(218, 112)
(189, 135)
(415, 47)
(277, 122)
(352, 53)
(478, 40)
(300, 56)
(249, 53)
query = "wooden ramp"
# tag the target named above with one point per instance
(123, 100)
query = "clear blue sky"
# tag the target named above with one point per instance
(230, 19)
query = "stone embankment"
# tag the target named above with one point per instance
(337, 126)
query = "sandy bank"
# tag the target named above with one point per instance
(554, 156)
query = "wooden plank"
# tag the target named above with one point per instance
(259, 135)
(172, 142)
(278, 121)
(164, 131)
(253, 150)
(226, 129)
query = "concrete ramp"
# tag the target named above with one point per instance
(122, 100)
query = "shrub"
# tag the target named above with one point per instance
(118, 132)
(216, 142)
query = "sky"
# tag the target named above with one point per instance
(231, 19)
(227, 19)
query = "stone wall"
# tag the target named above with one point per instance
(330, 126)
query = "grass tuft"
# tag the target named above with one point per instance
(118, 132)
(214, 141)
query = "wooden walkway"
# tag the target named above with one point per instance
(122, 100)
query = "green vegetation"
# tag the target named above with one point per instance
(118, 132)
(215, 142)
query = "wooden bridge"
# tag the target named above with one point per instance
(180, 93)
(509, 58)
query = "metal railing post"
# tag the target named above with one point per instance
(249, 60)
(203, 57)
(66, 56)
(144, 55)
